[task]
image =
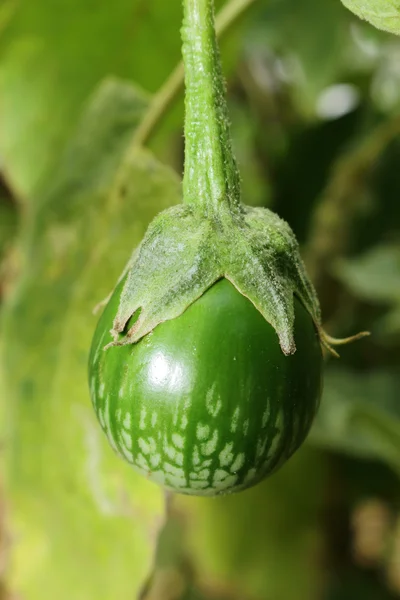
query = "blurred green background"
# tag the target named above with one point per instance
(314, 98)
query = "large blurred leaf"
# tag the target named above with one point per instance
(384, 14)
(375, 276)
(360, 414)
(83, 523)
(52, 54)
(263, 543)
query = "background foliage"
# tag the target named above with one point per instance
(314, 96)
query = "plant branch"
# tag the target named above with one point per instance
(339, 203)
(169, 91)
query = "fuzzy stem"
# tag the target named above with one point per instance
(211, 178)
(170, 90)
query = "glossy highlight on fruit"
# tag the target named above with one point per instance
(207, 403)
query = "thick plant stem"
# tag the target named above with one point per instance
(171, 88)
(211, 178)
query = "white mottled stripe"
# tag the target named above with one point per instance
(101, 417)
(126, 439)
(173, 454)
(152, 444)
(179, 458)
(148, 446)
(176, 482)
(177, 440)
(142, 462)
(261, 444)
(223, 480)
(174, 470)
(277, 437)
(126, 453)
(196, 456)
(226, 455)
(155, 460)
(213, 403)
(142, 422)
(250, 475)
(202, 431)
(170, 451)
(265, 417)
(198, 485)
(127, 421)
(238, 462)
(203, 474)
(220, 475)
(144, 446)
(227, 483)
(175, 476)
(210, 446)
(107, 426)
(235, 419)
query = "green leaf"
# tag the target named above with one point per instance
(373, 276)
(83, 523)
(70, 46)
(390, 323)
(247, 543)
(360, 414)
(383, 14)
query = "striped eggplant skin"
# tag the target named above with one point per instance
(207, 403)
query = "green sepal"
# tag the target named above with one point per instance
(185, 252)
(171, 268)
(264, 264)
